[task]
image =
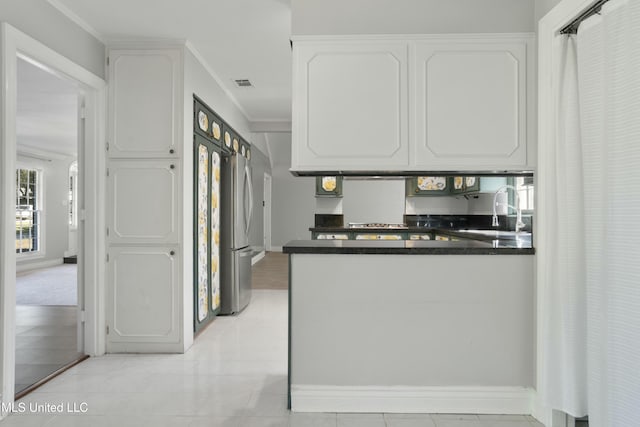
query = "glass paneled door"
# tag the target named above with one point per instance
(207, 161)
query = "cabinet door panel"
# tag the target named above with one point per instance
(143, 201)
(144, 101)
(144, 296)
(471, 107)
(351, 105)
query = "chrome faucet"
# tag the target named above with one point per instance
(494, 222)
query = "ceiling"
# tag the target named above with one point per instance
(238, 39)
(47, 113)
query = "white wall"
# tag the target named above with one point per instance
(199, 81)
(46, 24)
(411, 16)
(455, 205)
(293, 207)
(375, 200)
(259, 166)
(542, 7)
(418, 320)
(55, 217)
(259, 141)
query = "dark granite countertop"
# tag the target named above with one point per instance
(449, 231)
(407, 247)
(369, 229)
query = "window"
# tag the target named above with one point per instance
(73, 195)
(524, 184)
(28, 210)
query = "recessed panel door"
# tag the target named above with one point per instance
(145, 95)
(143, 298)
(350, 106)
(471, 104)
(143, 196)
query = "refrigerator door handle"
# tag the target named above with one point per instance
(247, 173)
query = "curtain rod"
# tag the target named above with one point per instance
(572, 27)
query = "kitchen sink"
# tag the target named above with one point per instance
(500, 234)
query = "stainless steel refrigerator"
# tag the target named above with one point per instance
(237, 208)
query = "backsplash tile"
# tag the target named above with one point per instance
(464, 221)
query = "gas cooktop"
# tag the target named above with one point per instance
(376, 225)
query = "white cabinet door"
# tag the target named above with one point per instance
(471, 104)
(143, 206)
(144, 103)
(144, 299)
(350, 106)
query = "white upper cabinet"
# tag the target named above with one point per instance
(424, 103)
(350, 106)
(471, 104)
(145, 99)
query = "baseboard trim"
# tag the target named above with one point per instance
(257, 257)
(275, 249)
(25, 265)
(398, 399)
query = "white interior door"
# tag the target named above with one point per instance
(267, 212)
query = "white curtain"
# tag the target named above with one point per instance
(565, 321)
(592, 335)
(609, 82)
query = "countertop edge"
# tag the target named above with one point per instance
(442, 248)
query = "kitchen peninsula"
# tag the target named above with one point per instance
(411, 326)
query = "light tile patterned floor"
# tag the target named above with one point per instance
(233, 376)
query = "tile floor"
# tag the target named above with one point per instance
(235, 375)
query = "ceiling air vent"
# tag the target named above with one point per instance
(243, 83)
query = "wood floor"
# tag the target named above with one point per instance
(46, 324)
(46, 341)
(271, 272)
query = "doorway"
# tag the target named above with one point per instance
(49, 331)
(266, 206)
(15, 47)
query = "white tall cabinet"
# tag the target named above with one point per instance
(414, 103)
(144, 264)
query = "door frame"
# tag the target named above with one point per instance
(14, 44)
(549, 56)
(266, 212)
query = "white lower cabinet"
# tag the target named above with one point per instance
(144, 299)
